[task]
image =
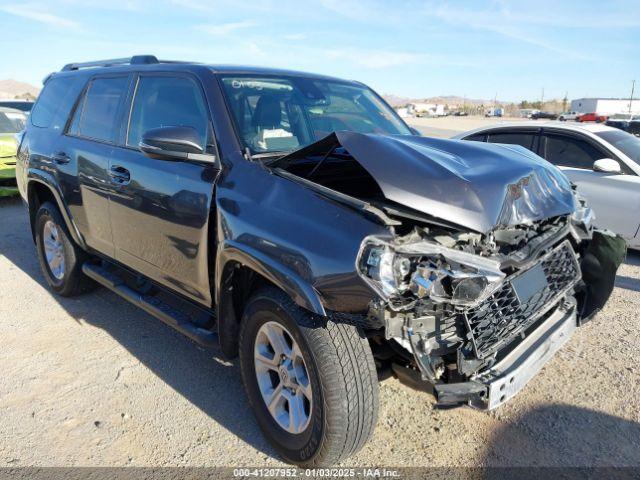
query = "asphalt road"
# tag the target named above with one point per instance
(93, 381)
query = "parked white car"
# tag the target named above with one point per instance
(602, 161)
(563, 117)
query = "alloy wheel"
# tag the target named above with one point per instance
(283, 377)
(53, 249)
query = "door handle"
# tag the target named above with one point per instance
(61, 158)
(119, 175)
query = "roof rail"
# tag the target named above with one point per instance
(135, 60)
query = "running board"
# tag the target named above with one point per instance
(150, 304)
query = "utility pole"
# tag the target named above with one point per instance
(565, 100)
(633, 86)
(542, 99)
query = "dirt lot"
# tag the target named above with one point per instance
(93, 381)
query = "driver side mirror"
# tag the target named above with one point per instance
(607, 165)
(174, 143)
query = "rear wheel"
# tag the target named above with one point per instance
(60, 258)
(311, 382)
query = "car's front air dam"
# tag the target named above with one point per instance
(512, 373)
(507, 377)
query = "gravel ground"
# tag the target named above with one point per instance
(93, 381)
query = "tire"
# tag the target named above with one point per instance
(341, 373)
(69, 281)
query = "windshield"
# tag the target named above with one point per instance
(623, 141)
(281, 114)
(12, 122)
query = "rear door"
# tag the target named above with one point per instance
(609, 195)
(160, 208)
(88, 145)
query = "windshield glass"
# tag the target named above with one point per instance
(623, 141)
(12, 122)
(281, 114)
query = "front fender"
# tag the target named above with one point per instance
(281, 276)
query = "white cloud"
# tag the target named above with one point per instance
(36, 14)
(380, 59)
(196, 5)
(376, 58)
(294, 36)
(226, 28)
(501, 22)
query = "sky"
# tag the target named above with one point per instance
(477, 49)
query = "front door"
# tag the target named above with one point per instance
(160, 208)
(614, 198)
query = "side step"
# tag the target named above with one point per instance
(150, 304)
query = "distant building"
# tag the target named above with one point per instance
(403, 112)
(605, 106)
(430, 109)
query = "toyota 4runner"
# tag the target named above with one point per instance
(299, 223)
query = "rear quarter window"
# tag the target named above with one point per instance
(56, 101)
(524, 139)
(478, 137)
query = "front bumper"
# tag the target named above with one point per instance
(506, 378)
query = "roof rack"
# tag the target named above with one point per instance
(135, 60)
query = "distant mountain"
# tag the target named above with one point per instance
(396, 101)
(14, 89)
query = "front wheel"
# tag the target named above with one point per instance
(311, 382)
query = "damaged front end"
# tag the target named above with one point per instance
(481, 313)
(488, 263)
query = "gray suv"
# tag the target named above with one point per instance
(295, 221)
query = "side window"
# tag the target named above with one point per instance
(55, 102)
(478, 137)
(570, 152)
(167, 102)
(523, 139)
(97, 115)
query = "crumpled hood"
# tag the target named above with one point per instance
(476, 185)
(8, 145)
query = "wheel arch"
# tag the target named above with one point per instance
(241, 271)
(41, 188)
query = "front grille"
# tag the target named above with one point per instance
(502, 317)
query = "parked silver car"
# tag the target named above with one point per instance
(602, 161)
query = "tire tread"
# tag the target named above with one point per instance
(348, 378)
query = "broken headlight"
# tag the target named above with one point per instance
(425, 269)
(582, 218)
